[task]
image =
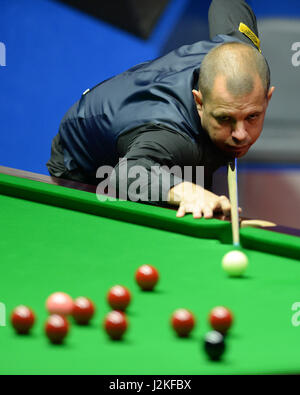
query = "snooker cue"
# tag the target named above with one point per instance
(233, 196)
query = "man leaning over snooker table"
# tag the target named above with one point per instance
(200, 105)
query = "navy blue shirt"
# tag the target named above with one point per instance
(157, 92)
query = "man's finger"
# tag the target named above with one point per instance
(181, 211)
(208, 212)
(197, 212)
(225, 205)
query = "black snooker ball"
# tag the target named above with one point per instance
(214, 345)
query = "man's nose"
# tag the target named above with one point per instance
(239, 133)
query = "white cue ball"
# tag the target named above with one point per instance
(235, 263)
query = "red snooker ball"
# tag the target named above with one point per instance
(83, 310)
(118, 297)
(56, 328)
(115, 324)
(22, 319)
(183, 321)
(220, 319)
(147, 277)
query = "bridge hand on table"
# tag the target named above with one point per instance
(193, 199)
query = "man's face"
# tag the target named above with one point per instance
(233, 123)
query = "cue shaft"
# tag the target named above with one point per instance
(233, 196)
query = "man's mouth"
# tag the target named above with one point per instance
(237, 148)
(237, 151)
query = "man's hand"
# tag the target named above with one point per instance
(194, 199)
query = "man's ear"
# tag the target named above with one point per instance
(199, 101)
(270, 93)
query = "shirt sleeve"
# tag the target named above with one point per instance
(151, 163)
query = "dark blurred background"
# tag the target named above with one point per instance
(55, 50)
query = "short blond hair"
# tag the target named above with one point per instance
(240, 63)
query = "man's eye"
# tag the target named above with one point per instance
(252, 116)
(223, 119)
